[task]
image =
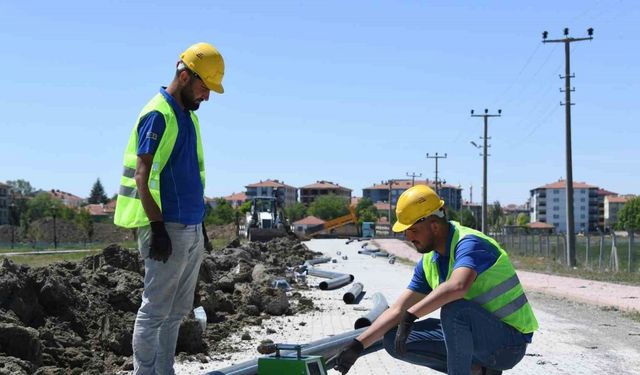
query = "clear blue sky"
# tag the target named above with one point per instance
(353, 92)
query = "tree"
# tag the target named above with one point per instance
(494, 216)
(366, 211)
(629, 215)
(522, 219)
(97, 194)
(83, 220)
(22, 187)
(327, 207)
(295, 211)
(221, 214)
(466, 218)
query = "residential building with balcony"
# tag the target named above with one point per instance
(549, 205)
(613, 204)
(310, 192)
(267, 188)
(67, 199)
(236, 199)
(452, 195)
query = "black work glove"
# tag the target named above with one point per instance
(160, 244)
(404, 329)
(347, 356)
(207, 244)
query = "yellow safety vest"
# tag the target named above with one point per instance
(497, 289)
(129, 211)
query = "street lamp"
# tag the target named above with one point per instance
(54, 211)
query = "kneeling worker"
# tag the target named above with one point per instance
(485, 320)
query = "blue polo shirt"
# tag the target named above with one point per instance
(470, 252)
(181, 190)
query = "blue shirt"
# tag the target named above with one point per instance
(181, 190)
(471, 252)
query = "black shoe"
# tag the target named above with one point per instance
(490, 371)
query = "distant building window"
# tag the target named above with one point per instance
(581, 216)
(556, 208)
(582, 208)
(556, 216)
(556, 191)
(581, 199)
(556, 199)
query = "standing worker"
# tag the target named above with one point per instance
(485, 320)
(162, 195)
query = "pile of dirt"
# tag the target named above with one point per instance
(77, 318)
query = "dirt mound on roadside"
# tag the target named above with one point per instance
(77, 318)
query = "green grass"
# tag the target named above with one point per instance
(633, 315)
(39, 260)
(549, 266)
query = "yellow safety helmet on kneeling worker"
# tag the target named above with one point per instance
(205, 60)
(415, 203)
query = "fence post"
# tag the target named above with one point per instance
(613, 259)
(540, 243)
(555, 256)
(586, 260)
(630, 249)
(548, 245)
(601, 250)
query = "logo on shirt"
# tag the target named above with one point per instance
(152, 135)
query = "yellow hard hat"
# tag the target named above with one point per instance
(205, 60)
(415, 203)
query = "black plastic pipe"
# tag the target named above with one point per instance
(379, 306)
(336, 282)
(352, 295)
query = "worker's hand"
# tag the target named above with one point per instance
(160, 244)
(347, 357)
(404, 329)
(207, 244)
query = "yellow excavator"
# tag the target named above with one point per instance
(332, 224)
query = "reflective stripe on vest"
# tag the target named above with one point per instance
(497, 289)
(129, 211)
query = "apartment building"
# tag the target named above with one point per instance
(613, 204)
(549, 205)
(452, 195)
(310, 192)
(4, 203)
(267, 188)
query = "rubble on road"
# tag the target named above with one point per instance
(77, 318)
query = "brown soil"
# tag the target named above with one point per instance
(77, 318)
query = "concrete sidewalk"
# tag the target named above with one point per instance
(623, 297)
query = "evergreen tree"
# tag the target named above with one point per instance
(97, 194)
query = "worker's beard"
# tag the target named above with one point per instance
(188, 98)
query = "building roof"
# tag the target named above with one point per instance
(63, 195)
(604, 193)
(269, 183)
(540, 225)
(99, 209)
(617, 199)
(2, 184)
(405, 184)
(355, 200)
(236, 197)
(309, 220)
(561, 184)
(322, 184)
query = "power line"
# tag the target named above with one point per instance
(571, 235)
(413, 176)
(436, 157)
(486, 116)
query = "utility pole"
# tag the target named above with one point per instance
(413, 176)
(571, 233)
(486, 116)
(436, 157)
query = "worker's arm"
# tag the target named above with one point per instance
(143, 169)
(453, 289)
(390, 317)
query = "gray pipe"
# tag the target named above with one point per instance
(336, 283)
(326, 274)
(326, 347)
(352, 295)
(379, 306)
(311, 262)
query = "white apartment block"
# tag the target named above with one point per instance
(549, 205)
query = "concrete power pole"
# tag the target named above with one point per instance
(413, 176)
(436, 157)
(571, 233)
(486, 116)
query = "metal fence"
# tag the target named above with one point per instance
(613, 252)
